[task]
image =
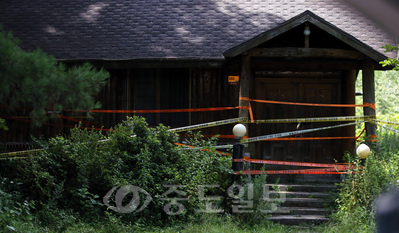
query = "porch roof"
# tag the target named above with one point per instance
(306, 17)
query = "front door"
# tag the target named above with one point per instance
(306, 90)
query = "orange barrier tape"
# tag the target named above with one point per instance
(308, 104)
(369, 105)
(250, 112)
(75, 120)
(372, 140)
(304, 171)
(163, 110)
(305, 164)
(179, 144)
(360, 134)
(306, 138)
(30, 117)
(209, 136)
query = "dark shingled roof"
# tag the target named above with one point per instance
(159, 29)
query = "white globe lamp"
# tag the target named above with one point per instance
(239, 130)
(363, 151)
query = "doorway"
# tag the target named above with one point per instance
(302, 90)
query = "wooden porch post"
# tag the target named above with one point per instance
(245, 84)
(348, 90)
(368, 94)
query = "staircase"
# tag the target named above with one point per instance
(304, 203)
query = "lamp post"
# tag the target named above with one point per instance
(239, 131)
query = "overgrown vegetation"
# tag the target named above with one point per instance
(361, 188)
(66, 182)
(380, 173)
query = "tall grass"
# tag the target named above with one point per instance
(380, 173)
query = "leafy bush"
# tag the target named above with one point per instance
(362, 187)
(12, 208)
(73, 173)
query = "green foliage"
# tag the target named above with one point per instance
(36, 81)
(3, 124)
(69, 178)
(386, 92)
(361, 187)
(12, 208)
(391, 62)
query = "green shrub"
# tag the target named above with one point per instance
(74, 173)
(13, 208)
(362, 187)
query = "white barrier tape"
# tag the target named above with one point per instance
(316, 119)
(383, 126)
(280, 135)
(210, 124)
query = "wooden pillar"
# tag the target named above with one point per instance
(128, 93)
(158, 95)
(349, 97)
(245, 84)
(368, 94)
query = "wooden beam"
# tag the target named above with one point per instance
(305, 65)
(368, 94)
(158, 95)
(259, 73)
(348, 97)
(306, 52)
(151, 64)
(244, 86)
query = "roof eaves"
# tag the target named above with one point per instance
(306, 16)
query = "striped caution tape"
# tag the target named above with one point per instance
(209, 124)
(274, 139)
(316, 119)
(289, 163)
(383, 126)
(210, 136)
(8, 158)
(307, 138)
(303, 171)
(17, 153)
(192, 127)
(193, 147)
(280, 135)
(371, 105)
(387, 122)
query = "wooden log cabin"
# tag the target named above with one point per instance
(179, 55)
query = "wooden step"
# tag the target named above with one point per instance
(305, 187)
(299, 219)
(305, 202)
(302, 211)
(289, 194)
